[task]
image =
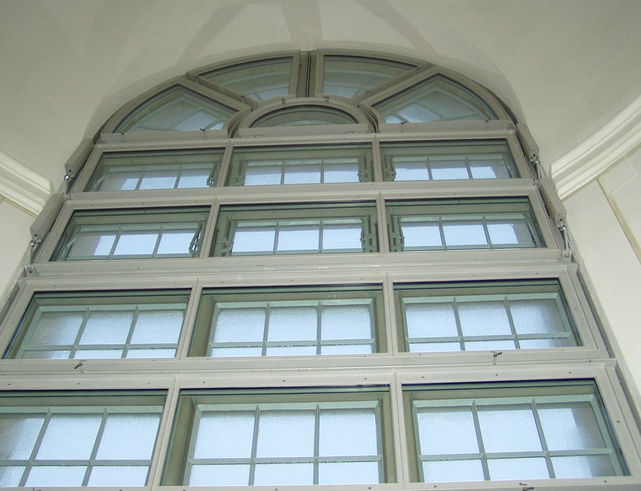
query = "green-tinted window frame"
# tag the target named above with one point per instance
(466, 211)
(463, 151)
(304, 115)
(175, 161)
(117, 221)
(300, 156)
(181, 442)
(230, 216)
(105, 402)
(84, 303)
(201, 341)
(507, 394)
(503, 291)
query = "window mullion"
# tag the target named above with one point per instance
(544, 445)
(316, 443)
(479, 441)
(36, 447)
(252, 464)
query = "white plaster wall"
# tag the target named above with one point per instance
(15, 229)
(611, 264)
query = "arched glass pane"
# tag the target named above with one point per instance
(259, 80)
(177, 109)
(436, 99)
(349, 76)
(304, 115)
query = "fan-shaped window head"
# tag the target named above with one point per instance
(259, 80)
(436, 99)
(303, 116)
(349, 76)
(177, 109)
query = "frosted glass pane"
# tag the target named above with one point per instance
(342, 237)
(545, 343)
(50, 355)
(483, 318)
(158, 180)
(346, 322)
(56, 475)
(197, 121)
(421, 235)
(162, 326)
(151, 353)
(509, 430)
(536, 316)
(193, 179)
(98, 353)
(453, 470)
(219, 475)
(302, 174)
(119, 181)
(69, 437)
(410, 171)
(118, 475)
(496, 344)
(348, 473)
(292, 324)
(224, 435)
(290, 350)
(341, 173)
(346, 349)
(283, 474)
(253, 240)
(570, 427)
(582, 466)
(10, 475)
(449, 170)
(286, 434)
(231, 352)
(175, 242)
(128, 437)
(434, 347)
(467, 234)
(298, 238)
(56, 328)
(430, 320)
(508, 469)
(263, 175)
(516, 233)
(348, 432)
(18, 435)
(92, 244)
(446, 431)
(239, 325)
(107, 328)
(136, 243)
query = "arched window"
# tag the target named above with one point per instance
(328, 269)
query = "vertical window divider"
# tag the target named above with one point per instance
(159, 454)
(94, 449)
(208, 232)
(459, 327)
(399, 429)
(544, 444)
(134, 320)
(319, 326)
(36, 446)
(268, 314)
(252, 465)
(389, 322)
(381, 218)
(479, 440)
(190, 319)
(225, 164)
(508, 310)
(377, 162)
(441, 231)
(316, 443)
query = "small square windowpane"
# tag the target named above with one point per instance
(131, 243)
(297, 441)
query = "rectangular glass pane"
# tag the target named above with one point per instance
(286, 434)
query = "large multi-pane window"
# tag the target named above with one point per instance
(314, 268)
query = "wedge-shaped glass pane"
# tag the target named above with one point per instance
(436, 99)
(489, 159)
(303, 229)
(484, 316)
(131, 171)
(508, 431)
(462, 224)
(100, 325)
(304, 116)
(287, 321)
(279, 437)
(177, 109)
(300, 165)
(127, 234)
(77, 439)
(348, 76)
(259, 80)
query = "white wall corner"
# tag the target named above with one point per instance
(22, 185)
(606, 147)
